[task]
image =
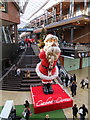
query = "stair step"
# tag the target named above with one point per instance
(31, 80)
(32, 77)
(25, 89)
(10, 89)
(31, 84)
(28, 88)
(10, 85)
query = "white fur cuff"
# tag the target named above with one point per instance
(42, 76)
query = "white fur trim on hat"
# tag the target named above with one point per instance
(50, 36)
(42, 76)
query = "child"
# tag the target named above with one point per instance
(82, 83)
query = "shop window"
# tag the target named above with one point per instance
(7, 34)
(78, 10)
(3, 37)
(3, 6)
(88, 9)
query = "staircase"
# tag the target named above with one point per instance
(26, 83)
(28, 61)
(11, 82)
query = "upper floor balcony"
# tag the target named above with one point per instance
(57, 18)
(56, 14)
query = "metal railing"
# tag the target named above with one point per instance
(51, 19)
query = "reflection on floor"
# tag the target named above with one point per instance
(79, 99)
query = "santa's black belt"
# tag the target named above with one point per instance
(47, 67)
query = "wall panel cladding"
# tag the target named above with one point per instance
(86, 62)
(71, 64)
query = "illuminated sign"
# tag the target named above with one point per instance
(25, 29)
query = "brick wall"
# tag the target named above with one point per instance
(12, 14)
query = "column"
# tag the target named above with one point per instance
(85, 6)
(53, 14)
(35, 23)
(11, 32)
(61, 10)
(72, 8)
(15, 33)
(1, 53)
(39, 22)
(72, 33)
(46, 17)
(80, 64)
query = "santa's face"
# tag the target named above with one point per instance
(51, 43)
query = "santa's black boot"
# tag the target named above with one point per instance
(50, 90)
(45, 89)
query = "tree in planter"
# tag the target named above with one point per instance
(42, 37)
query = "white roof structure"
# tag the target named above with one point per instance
(32, 9)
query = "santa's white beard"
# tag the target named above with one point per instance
(53, 51)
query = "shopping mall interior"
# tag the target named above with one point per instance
(44, 59)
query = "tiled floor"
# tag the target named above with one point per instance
(79, 99)
(82, 94)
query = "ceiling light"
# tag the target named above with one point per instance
(86, 18)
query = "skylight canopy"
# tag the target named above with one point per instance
(33, 8)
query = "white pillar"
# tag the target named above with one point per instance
(61, 10)
(72, 8)
(46, 17)
(85, 6)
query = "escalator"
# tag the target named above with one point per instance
(64, 72)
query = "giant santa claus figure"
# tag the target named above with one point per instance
(47, 69)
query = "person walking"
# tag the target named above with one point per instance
(47, 117)
(62, 79)
(74, 77)
(73, 88)
(71, 79)
(82, 111)
(75, 111)
(27, 111)
(66, 80)
(26, 104)
(18, 71)
(86, 82)
(82, 83)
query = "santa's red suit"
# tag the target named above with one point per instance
(43, 67)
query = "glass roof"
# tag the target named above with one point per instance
(32, 9)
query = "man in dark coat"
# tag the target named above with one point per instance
(75, 111)
(73, 88)
(74, 77)
(66, 80)
(84, 111)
